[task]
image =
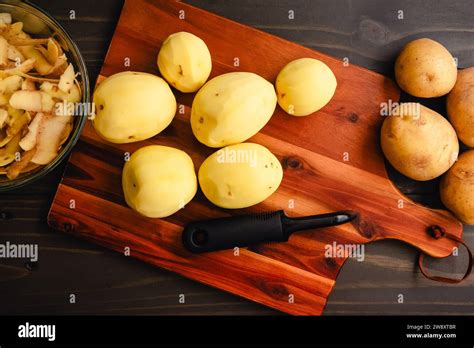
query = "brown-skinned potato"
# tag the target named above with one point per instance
(419, 142)
(460, 106)
(425, 69)
(457, 188)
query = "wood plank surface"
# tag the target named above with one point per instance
(125, 286)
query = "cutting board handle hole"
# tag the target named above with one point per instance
(199, 237)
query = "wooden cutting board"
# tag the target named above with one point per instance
(332, 160)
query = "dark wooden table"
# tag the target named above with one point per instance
(368, 33)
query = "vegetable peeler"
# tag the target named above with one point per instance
(245, 230)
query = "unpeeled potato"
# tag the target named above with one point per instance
(419, 142)
(425, 69)
(460, 106)
(457, 188)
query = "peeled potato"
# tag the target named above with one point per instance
(460, 106)
(425, 69)
(132, 106)
(158, 180)
(240, 176)
(185, 61)
(231, 108)
(419, 142)
(304, 86)
(457, 188)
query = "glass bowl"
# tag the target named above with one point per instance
(39, 24)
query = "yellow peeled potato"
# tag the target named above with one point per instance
(185, 61)
(457, 188)
(239, 176)
(132, 106)
(460, 106)
(304, 86)
(231, 108)
(425, 69)
(419, 142)
(157, 181)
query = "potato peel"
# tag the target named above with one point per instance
(66, 82)
(73, 96)
(10, 84)
(36, 78)
(36, 101)
(28, 42)
(15, 169)
(41, 64)
(3, 52)
(5, 18)
(18, 124)
(7, 154)
(49, 138)
(14, 54)
(35, 75)
(54, 51)
(28, 142)
(25, 67)
(28, 85)
(3, 117)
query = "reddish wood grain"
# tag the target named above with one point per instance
(311, 149)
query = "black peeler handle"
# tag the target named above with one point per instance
(245, 230)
